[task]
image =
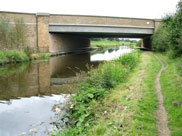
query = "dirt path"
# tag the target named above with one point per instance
(162, 120)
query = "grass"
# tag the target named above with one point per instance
(82, 110)
(107, 44)
(127, 107)
(171, 80)
(130, 108)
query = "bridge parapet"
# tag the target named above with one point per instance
(100, 20)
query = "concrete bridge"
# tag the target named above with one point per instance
(54, 32)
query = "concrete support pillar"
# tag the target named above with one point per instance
(142, 44)
(147, 43)
(43, 39)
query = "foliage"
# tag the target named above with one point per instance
(114, 39)
(128, 60)
(80, 110)
(12, 56)
(12, 35)
(160, 40)
(129, 109)
(139, 43)
(169, 36)
(43, 55)
(5, 33)
(107, 43)
(20, 32)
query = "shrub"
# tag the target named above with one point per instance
(160, 41)
(169, 35)
(12, 56)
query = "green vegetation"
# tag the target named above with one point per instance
(169, 35)
(130, 108)
(168, 39)
(43, 55)
(172, 93)
(82, 110)
(12, 56)
(112, 102)
(12, 36)
(109, 42)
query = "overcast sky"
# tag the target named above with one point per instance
(120, 8)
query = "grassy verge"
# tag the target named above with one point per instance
(113, 102)
(130, 108)
(107, 44)
(14, 56)
(171, 83)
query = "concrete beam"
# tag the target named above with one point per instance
(100, 29)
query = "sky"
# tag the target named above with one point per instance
(154, 9)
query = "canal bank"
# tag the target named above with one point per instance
(26, 88)
(171, 86)
(16, 56)
(128, 109)
(83, 108)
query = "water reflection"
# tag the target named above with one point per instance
(68, 66)
(26, 90)
(35, 80)
(110, 54)
(28, 114)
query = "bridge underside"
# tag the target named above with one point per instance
(65, 37)
(105, 35)
(102, 31)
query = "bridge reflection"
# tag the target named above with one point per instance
(44, 78)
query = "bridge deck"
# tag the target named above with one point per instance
(104, 30)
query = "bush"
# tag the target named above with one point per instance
(130, 60)
(160, 41)
(169, 35)
(12, 56)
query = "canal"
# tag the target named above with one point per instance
(29, 91)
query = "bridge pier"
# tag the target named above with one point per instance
(43, 37)
(146, 43)
(56, 42)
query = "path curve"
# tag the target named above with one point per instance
(162, 119)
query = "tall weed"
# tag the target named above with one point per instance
(12, 35)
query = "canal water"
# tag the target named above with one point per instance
(29, 91)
